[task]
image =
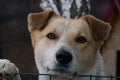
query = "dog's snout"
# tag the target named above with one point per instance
(63, 57)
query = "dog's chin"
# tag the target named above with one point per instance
(61, 72)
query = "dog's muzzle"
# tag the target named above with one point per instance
(62, 66)
(63, 57)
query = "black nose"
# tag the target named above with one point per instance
(63, 57)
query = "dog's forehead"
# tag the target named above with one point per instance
(78, 26)
(70, 25)
(60, 24)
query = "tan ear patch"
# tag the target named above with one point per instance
(39, 20)
(99, 29)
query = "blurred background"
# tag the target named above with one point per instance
(15, 42)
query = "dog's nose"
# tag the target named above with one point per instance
(63, 57)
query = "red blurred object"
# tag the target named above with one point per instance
(114, 4)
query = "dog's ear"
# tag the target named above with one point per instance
(99, 29)
(39, 20)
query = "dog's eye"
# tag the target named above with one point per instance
(81, 40)
(51, 36)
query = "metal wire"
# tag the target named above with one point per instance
(30, 75)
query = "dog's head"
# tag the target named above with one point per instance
(66, 46)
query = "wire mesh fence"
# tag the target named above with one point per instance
(31, 76)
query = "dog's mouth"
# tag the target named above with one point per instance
(58, 70)
(61, 71)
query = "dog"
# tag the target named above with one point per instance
(65, 48)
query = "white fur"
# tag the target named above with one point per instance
(6, 67)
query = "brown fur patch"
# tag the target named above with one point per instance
(39, 20)
(99, 29)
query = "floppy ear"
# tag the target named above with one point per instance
(99, 29)
(39, 20)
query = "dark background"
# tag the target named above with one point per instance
(15, 43)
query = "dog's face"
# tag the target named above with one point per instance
(66, 46)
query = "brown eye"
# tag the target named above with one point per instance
(51, 36)
(81, 40)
